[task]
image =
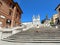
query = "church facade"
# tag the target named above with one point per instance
(35, 22)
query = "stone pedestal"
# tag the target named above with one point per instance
(0, 35)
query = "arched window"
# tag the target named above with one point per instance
(8, 21)
(10, 12)
(11, 5)
(59, 9)
(57, 20)
(0, 4)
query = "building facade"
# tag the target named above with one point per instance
(56, 17)
(10, 13)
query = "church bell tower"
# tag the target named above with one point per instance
(36, 21)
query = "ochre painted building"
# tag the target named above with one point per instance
(55, 16)
(10, 13)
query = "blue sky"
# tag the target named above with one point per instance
(35, 7)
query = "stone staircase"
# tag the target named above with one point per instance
(35, 35)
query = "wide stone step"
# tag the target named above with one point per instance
(33, 36)
(32, 40)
